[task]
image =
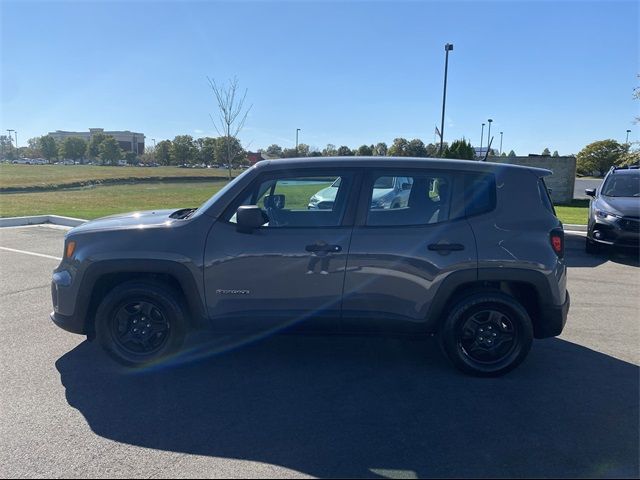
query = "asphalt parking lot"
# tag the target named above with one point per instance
(316, 406)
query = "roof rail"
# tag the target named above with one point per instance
(626, 167)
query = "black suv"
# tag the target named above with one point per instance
(614, 211)
(475, 255)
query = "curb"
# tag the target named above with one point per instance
(40, 219)
(575, 228)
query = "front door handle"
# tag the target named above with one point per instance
(323, 248)
(446, 247)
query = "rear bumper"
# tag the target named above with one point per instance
(552, 320)
(70, 323)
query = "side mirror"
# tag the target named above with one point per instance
(249, 217)
(590, 191)
(406, 186)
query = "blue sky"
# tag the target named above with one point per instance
(550, 74)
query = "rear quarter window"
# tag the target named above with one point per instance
(479, 194)
(545, 198)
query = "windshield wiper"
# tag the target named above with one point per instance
(182, 213)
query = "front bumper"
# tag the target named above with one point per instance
(70, 323)
(622, 233)
(552, 320)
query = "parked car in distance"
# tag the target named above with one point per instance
(255, 259)
(388, 192)
(614, 211)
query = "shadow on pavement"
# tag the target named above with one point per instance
(577, 257)
(372, 407)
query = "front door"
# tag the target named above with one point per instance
(290, 271)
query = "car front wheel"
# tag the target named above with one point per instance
(487, 334)
(141, 322)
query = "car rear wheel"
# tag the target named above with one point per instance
(141, 322)
(487, 334)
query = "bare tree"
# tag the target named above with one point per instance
(231, 113)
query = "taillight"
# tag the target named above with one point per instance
(557, 242)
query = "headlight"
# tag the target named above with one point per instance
(602, 215)
(313, 200)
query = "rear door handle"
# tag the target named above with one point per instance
(323, 248)
(446, 247)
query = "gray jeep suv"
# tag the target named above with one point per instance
(474, 255)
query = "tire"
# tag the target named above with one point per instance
(141, 322)
(591, 247)
(475, 334)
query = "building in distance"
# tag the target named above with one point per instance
(128, 141)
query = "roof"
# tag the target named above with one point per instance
(398, 162)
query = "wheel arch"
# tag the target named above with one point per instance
(101, 277)
(530, 288)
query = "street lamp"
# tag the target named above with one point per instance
(447, 48)
(481, 138)
(501, 143)
(297, 130)
(628, 132)
(489, 136)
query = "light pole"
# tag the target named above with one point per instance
(297, 131)
(501, 143)
(489, 136)
(447, 48)
(628, 132)
(10, 130)
(154, 143)
(481, 138)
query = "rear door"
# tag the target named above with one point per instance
(399, 256)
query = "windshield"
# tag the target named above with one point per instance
(205, 206)
(622, 186)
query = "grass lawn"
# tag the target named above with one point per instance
(100, 201)
(576, 213)
(94, 202)
(52, 175)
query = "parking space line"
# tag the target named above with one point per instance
(30, 253)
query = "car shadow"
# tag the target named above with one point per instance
(372, 407)
(577, 257)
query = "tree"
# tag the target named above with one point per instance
(226, 150)
(110, 151)
(183, 151)
(131, 158)
(231, 115)
(630, 157)
(6, 146)
(512, 154)
(93, 148)
(365, 151)
(274, 151)
(344, 151)
(48, 147)
(208, 146)
(555, 153)
(398, 148)
(380, 150)
(303, 150)
(546, 152)
(599, 156)
(73, 148)
(503, 154)
(289, 153)
(163, 152)
(330, 150)
(460, 149)
(416, 148)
